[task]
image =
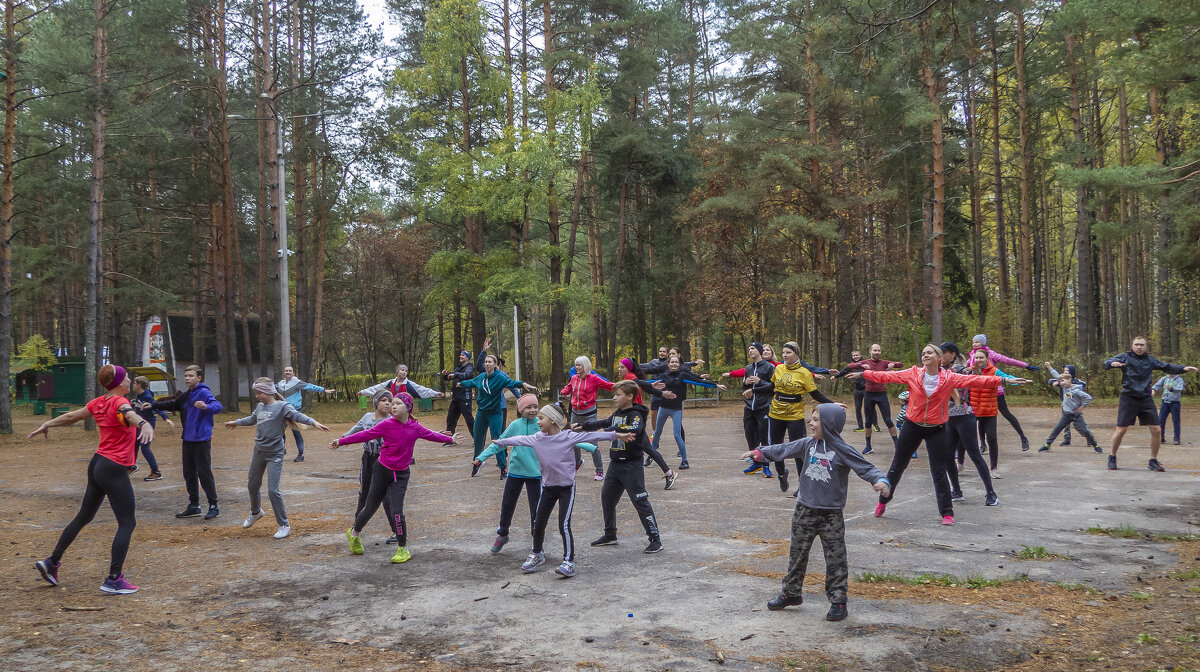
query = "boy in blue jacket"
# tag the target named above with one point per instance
(820, 499)
(196, 407)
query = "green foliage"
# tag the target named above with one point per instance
(973, 582)
(1038, 553)
(1123, 531)
(36, 351)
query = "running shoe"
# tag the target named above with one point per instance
(867, 450)
(1176, 444)
(992, 500)
(1112, 462)
(1155, 466)
(879, 509)
(1098, 449)
(783, 481)
(213, 512)
(251, 519)
(394, 539)
(283, 531)
(118, 586)
(1065, 442)
(996, 473)
(836, 612)
(401, 555)
(475, 469)
(1045, 448)
(648, 461)
(606, 540)
(503, 474)
(683, 465)
(670, 477)
(860, 429)
(766, 471)
(501, 540)
(1024, 443)
(754, 468)
(299, 458)
(133, 470)
(599, 475)
(566, 569)
(956, 497)
(947, 520)
(534, 561)
(49, 570)
(784, 600)
(192, 511)
(154, 476)
(654, 547)
(356, 547)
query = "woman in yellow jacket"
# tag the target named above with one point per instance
(792, 381)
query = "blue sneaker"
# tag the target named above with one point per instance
(534, 561)
(118, 586)
(867, 450)
(766, 471)
(754, 468)
(49, 570)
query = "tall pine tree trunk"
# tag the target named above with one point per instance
(96, 200)
(1085, 320)
(7, 159)
(1025, 217)
(998, 191)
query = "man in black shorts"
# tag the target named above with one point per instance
(1136, 402)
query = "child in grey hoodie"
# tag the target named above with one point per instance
(271, 417)
(819, 503)
(1074, 399)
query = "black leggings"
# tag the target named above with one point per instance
(911, 436)
(366, 473)
(391, 484)
(1002, 405)
(754, 424)
(653, 455)
(963, 438)
(987, 436)
(564, 497)
(795, 429)
(105, 478)
(512, 494)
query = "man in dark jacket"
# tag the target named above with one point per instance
(196, 407)
(757, 390)
(460, 397)
(1136, 403)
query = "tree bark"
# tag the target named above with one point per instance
(972, 122)
(7, 158)
(96, 200)
(1085, 320)
(1025, 219)
(998, 190)
(938, 210)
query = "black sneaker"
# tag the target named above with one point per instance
(654, 547)
(783, 481)
(992, 500)
(392, 540)
(299, 458)
(1065, 442)
(1045, 448)
(1098, 449)
(1024, 443)
(956, 497)
(213, 512)
(649, 461)
(1155, 466)
(605, 540)
(784, 600)
(475, 469)
(192, 511)
(836, 612)
(1112, 462)
(683, 465)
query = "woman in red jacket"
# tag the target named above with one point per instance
(986, 403)
(929, 388)
(582, 390)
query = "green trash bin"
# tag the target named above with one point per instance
(39, 407)
(363, 403)
(424, 405)
(56, 411)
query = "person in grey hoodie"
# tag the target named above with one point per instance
(271, 417)
(819, 503)
(1074, 400)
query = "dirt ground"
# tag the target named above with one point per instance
(216, 596)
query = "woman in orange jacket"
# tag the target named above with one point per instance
(987, 406)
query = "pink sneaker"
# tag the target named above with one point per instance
(947, 520)
(599, 476)
(118, 586)
(879, 508)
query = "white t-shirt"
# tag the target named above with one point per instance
(930, 380)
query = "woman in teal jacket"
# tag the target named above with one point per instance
(488, 416)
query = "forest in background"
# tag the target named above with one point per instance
(626, 173)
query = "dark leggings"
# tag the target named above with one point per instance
(987, 436)
(795, 429)
(391, 484)
(512, 494)
(911, 436)
(105, 478)
(366, 473)
(564, 497)
(1002, 405)
(962, 438)
(652, 455)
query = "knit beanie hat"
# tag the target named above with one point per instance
(526, 401)
(757, 346)
(981, 338)
(627, 363)
(380, 396)
(406, 399)
(554, 415)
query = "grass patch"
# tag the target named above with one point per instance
(1146, 638)
(1185, 638)
(1038, 553)
(1141, 596)
(1176, 537)
(1070, 585)
(945, 580)
(1190, 575)
(1123, 531)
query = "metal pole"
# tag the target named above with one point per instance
(285, 318)
(516, 342)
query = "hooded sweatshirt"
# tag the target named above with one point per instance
(1135, 376)
(522, 463)
(582, 391)
(632, 419)
(366, 422)
(491, 389)
(293, 390)
(270, 420)
(1172, 388)
(829, 461)
(556, 452)
(197, 424)
(398, 440)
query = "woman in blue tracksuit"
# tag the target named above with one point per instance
(141, 389)
(674, 380)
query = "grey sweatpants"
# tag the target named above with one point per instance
(273, 465)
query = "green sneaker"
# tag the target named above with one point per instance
(402, 555)
(355, 543)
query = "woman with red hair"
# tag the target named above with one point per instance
(108, 474)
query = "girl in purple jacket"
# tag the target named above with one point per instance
(979, 342)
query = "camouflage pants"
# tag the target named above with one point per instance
(807, 525)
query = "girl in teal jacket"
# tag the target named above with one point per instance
(491, 385)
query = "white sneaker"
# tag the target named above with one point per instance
(996, 473)
(252, 519)
(283, 532)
